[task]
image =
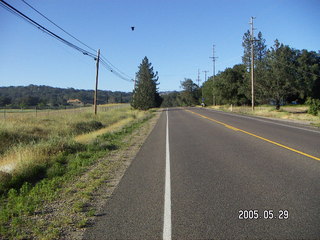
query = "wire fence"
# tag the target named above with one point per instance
(7, 113)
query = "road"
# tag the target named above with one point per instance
(200, 171)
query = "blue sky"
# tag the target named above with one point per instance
(176, 35)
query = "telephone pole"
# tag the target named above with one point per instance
(252, 64)
(96, 89)
(205, 79)
(205, 75)
(213, 74)
(198, 77)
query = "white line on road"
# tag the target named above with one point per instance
(266, 121)
(167, 191)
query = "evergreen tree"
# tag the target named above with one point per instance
(190, 95)
(246, 44)
(259, 49)
(281, 75)
(145, 94)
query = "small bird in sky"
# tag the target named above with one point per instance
(132, 28)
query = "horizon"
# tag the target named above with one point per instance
(177, 38)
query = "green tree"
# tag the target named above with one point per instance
(259, 49)
(171, 99)
(281, 75)
(308, 70)
(190, 93)
(145, 94)
(229, 87)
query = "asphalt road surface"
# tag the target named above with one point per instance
(204, 174)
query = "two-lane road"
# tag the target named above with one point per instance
(222, 167)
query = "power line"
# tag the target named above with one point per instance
(116, 71)
(58, 26)
(44, 29)
(115, 67)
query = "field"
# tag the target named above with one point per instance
(295, 113)
(43, 156)
(29, 139)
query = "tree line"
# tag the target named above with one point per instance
(282, 75)
(45, 96)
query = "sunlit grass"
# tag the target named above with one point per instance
(26, 138)
(288, 112)
(45, 167)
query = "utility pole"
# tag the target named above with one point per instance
(252, 64)
(205, 79)
(198, 77)
(213, 74)
(96, 89)
(205, 75)
(199, 85)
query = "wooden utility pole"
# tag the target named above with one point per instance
(96, 89)
(198, 77)
(213, 74)
(205, 79)
(205, 75)
(252, 64)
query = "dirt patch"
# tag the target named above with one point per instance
(80, 201)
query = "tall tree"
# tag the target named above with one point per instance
(246, 44)
(308, 69)
(259, 48)
(281, 80)
(190, 94)
(145, 94)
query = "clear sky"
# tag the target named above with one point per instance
(176, 35)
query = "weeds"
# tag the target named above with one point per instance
(291, 112)
(43, 171)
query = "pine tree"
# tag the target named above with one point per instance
(281, 73)
(259, 48)
(246, 44)
(145, 94)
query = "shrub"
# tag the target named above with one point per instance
(84, 127)
(314, 106)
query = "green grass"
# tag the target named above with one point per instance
(19, 203)
(288, 112)
(27, 143)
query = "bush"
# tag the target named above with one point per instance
(314, 106)
(84, 127)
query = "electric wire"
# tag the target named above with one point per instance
(107, 64)
(114, 66)
(45, 30)
(59, 26)
(115, 72)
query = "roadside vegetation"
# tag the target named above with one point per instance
(40, 155)
(287, 112)
(287, 84)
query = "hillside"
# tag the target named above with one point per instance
(45, 96)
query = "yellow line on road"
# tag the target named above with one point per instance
(251, 134)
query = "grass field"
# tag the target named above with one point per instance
(41, 155)
(288, 112)
(28, 141)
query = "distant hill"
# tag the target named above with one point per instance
(45, 96)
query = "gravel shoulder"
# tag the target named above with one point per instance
(80, 201)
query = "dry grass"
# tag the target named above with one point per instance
(294, 113)
(89, 137)
(27, 139)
